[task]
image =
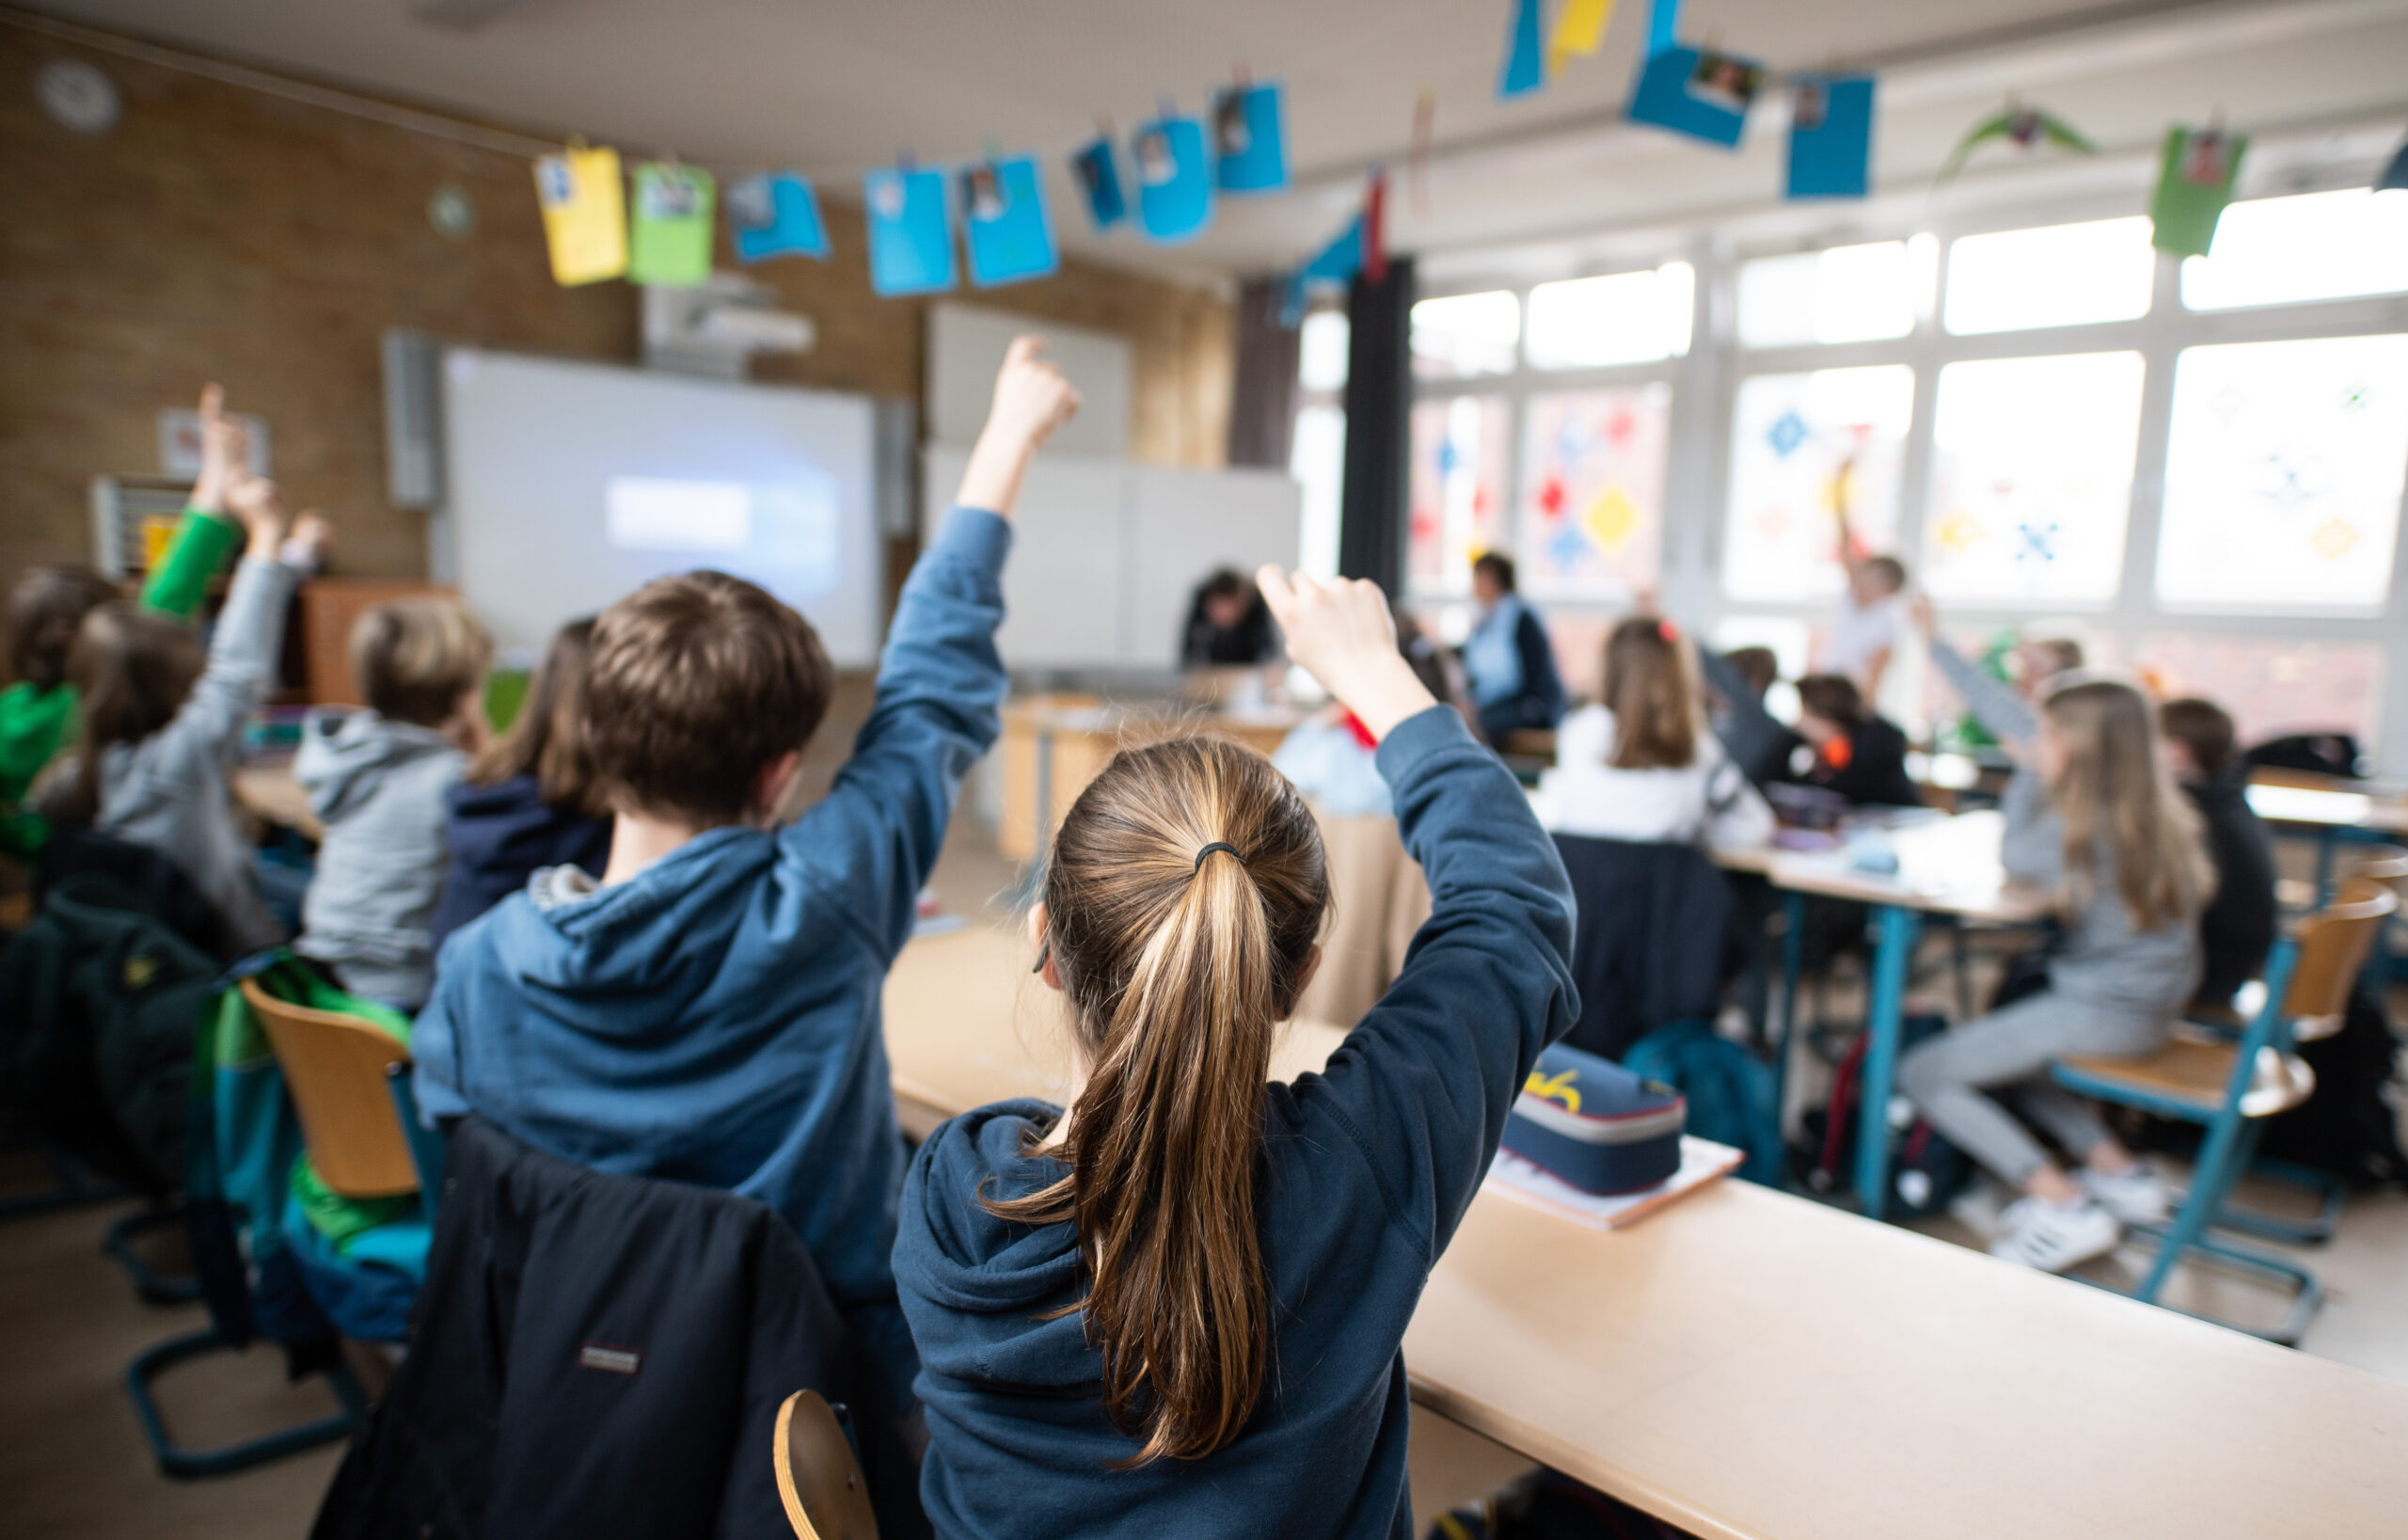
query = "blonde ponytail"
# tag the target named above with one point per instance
(1186, 890)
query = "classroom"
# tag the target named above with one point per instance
(1511, 770)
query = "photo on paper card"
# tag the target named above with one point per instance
(1830, 136)
(775, 215)
(2208, 163)
(1249, 144)
(911, 235)
(1004, 222)
(1702, 93)
(1100, 180)
(982, 192)
(1174, 178)
(1726, 83)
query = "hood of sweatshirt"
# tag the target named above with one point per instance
(505, 830)
(344, 756)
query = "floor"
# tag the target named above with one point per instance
(72, 1462)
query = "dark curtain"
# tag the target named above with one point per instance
(1263, 401)
(1379, 403)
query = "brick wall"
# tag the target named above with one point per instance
(220, 233)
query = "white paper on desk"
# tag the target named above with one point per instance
(1702, 1161)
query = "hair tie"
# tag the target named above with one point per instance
(1668, 631)
(1218, 845)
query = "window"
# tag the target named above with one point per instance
(2282, 474)
(1321, 351)
(2032, 478)
(1593, 491)
(1849, 293)
(2057, 276)
(1625, 318)
(2318, 246)
(1802, 447)
(1466, 334)
(2274, 685)
(1457, 486)
(1316, 458)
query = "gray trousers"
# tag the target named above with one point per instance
(2007, 1052)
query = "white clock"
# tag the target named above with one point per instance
(76, 95)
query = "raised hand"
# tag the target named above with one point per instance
(258, 505)
(308, 543)
(1032, 399)
(1342, 634)
(225, 451)
(1922, 615)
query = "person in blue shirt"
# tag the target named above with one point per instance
(708, 1009)
(1176, 1306)
(1511, 663)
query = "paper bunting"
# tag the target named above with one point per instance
(1249, 144)
(1699, 92)
(1360, 247)
(2026, 128)
(669, 240)
(1174, 178)
(775, 215)
(1579, 27)
(1663, 18)
(1099, 179)
(1003, 209)
(2395, 175)
(1830, 136)
(910, 241)
(585, 224)
(1525, 68)
(2195, 179)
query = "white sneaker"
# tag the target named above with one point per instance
(2055, 1236)
(2137, 1197)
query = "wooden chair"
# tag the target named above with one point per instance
(334, 1065)
(826, 1495)
(2230, 1089)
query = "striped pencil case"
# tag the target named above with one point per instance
(1589, 1122)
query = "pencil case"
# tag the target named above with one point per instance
(1589, 1122)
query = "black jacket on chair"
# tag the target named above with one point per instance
(1650, 941)
(596, 1355)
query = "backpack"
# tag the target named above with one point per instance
(2349, 1125)
(1729, 1090)
(1927, 1172)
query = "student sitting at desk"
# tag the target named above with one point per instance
(1641, 765)
(1855, 751)
(2236, 928)
(1508, 657)
(1227, 626)
(2093, 818)
(1176, 1308)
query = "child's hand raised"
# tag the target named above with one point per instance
(1342, 634)
(259, 506)
(225, 451)
(1032, 399)
(307, 546)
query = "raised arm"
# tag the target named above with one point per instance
(249, 636)
(2003, 713)
(1424, 1084)
(940, 681)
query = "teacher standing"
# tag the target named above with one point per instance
(1508, 658)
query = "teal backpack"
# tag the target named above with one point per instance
(1730, 1092)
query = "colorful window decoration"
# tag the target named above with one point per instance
(2032, 479)
(2282, 474)
(1457, 486)
(1593, 491)
(1803, 448)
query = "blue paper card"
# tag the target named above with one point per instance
(1830, 136)
(1525, 68)
(1249, 146)
(1003, 217)
(910, 241)
(1696, 92)
(775, 215)
(1099, 177)
(1662, 18)
(1336, 262)
(1174, 178)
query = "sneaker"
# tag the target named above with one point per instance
(2137, 1197)
(2055, 1236)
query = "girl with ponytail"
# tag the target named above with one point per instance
(1174, 1307)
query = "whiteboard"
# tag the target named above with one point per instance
(570, 485)
(1182, 525)
(966, 345)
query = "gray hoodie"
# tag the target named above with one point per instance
(169, 792)
(378, 786)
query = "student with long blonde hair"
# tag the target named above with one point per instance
(1176, 1306)
(1642, 764)
(2094, 818)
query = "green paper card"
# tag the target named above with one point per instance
(2194, 184)
(669, 240)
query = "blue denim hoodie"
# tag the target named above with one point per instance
(715, 1019)
(1366, 1170)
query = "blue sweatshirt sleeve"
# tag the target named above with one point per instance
(874, 837)
(1424, 1084)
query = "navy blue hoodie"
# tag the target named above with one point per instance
(501, 835)
(1366, 1170)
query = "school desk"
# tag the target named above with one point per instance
(1055, 745)
(2330, 811)
(1946, 866)
(267, 788)
(1754, 1366)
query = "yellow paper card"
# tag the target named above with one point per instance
(585, 215)
(1579, 28)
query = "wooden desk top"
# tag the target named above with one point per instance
(2332, 804)
(1948, 866)
(268, 789)
(1748, 1365)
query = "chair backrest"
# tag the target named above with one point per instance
(334, 1065)
(2385, 864)
(2332, 944)
(821, 1481)
(426, 1146)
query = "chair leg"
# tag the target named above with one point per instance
(187, 1464)
(153, 1286)
(2226, 1150)
(2210, 1181)
(2330, 1194)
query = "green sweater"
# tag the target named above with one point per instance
(36, 724)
